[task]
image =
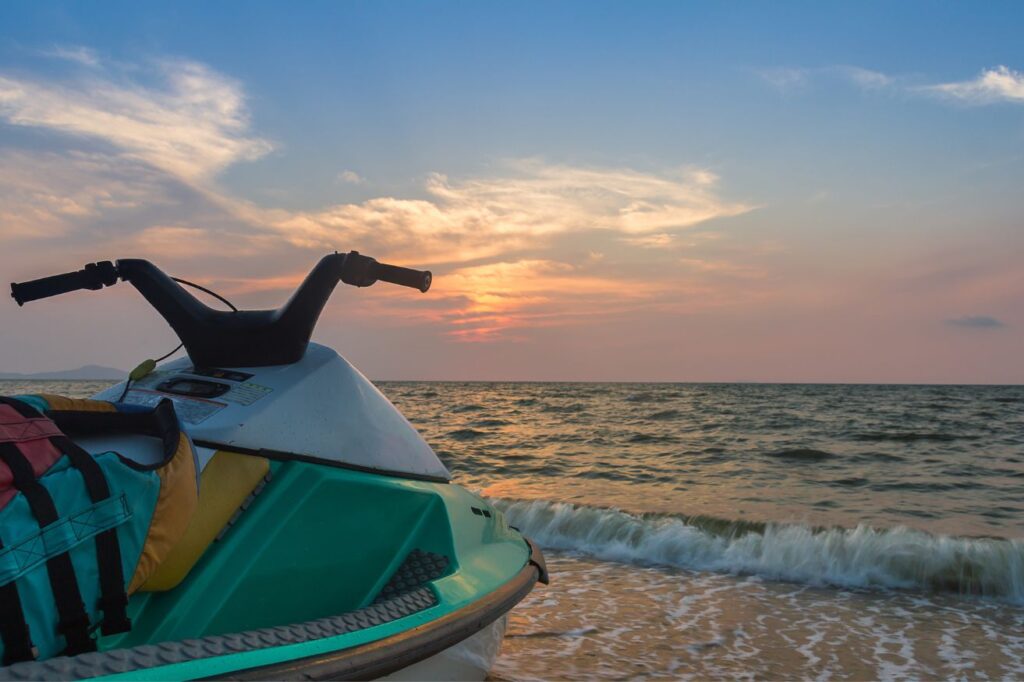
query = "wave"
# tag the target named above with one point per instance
(467, 434)
(652, 438)
(911, 437)
(805, 454)
(490, 422)
(849, 482)
(571, 408)
(878, 457)
(664, 415)
(861, 557)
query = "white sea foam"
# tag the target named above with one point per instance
(862, 557)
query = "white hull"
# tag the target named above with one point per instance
(470, 659)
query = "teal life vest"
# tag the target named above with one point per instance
(79, 532)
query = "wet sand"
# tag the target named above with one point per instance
(601, 619)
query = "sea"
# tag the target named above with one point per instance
(777, 531)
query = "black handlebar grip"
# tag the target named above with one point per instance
(93, 276)
(407, 277)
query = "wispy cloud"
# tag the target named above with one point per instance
(785, 78)
(651, 241)
(721, 267)
(486, 302)
(493, 241)
(191, 122)
(791, 78)
(1001, 84)
(523, 208)
(79, 55)
(864, 78)
(350, 177)
(976, 322)
(142, 150)
(47, 194)
(998, 84)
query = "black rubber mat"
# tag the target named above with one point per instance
(152, 655)
(418, 569)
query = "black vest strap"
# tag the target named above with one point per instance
(74, 621)
(22, 408)
(161, 422)
(13, 626)
(113, 596)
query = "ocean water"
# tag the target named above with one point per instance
(746, 530)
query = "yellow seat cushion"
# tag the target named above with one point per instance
(227, 480)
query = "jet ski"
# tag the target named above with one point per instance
(327, 540)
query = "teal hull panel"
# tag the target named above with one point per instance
(319, 541)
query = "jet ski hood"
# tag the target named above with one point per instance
(320, 407)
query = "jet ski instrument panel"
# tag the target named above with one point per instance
(193, 388)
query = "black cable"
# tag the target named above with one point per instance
(128, 383)
(176, 349)
(204, 289)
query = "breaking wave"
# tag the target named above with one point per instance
(861, 557)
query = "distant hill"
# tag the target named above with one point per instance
(94, 372)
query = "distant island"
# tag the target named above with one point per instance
(88, 372)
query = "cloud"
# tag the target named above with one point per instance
(1000, 84)
(486, 302)
(526, 207)
(190, 122)
(48, 194)
(792, 78)
(350, 177)
(976, 322)
(493, 301)
(79, 55)
(865, 78)
(785, 78)
(187, 243)
(720, 267)
(131, 169)
(651, 241)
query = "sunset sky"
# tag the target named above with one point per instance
(604, 191)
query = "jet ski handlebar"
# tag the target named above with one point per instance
(243, 338)
(93, 276)
(362, 271)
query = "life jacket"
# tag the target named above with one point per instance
(79, 532)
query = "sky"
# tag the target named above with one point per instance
(626, 191)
